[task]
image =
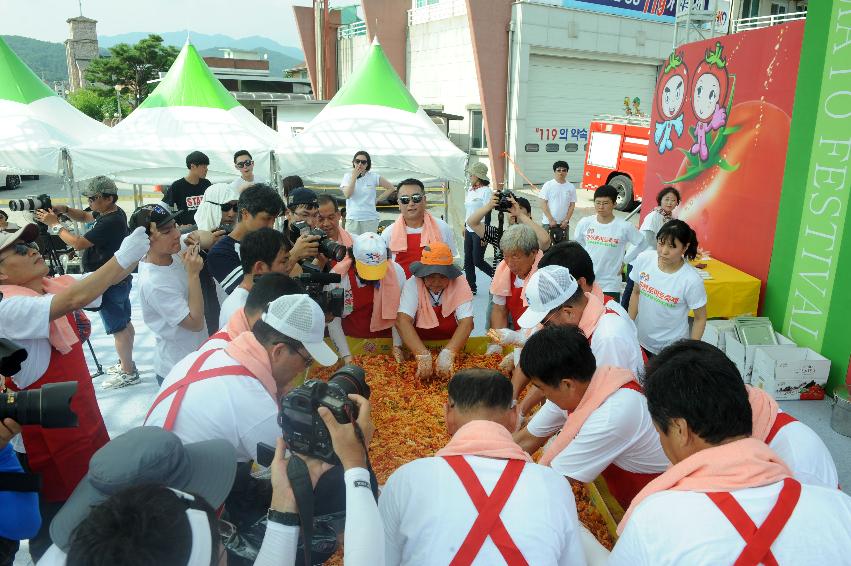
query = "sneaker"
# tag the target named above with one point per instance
(114, 370)
(117, 381)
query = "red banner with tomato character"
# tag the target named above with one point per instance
(719, 133)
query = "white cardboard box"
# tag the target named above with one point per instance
(785, 372)
(743, 356)
(716, 331)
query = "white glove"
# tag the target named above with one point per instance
(445, 363)
(506, 366)
(424, 366)
(507, 337)
(398, 354)
(493, 350)
(133, 248)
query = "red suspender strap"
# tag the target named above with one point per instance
(634, 385)
(219, 336)
(758, 541)
(488, 523)
(181, 386)
(782, 420)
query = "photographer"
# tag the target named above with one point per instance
(328, 220)
(303, 206)
(259, 206)
(38, 313)
(372, 285)
(98, 245)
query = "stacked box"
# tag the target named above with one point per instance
(790, 373)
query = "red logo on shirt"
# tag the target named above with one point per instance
(193, 202)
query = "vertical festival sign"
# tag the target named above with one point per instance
(809, 283)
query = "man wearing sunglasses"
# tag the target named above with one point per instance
(244, 164)
(415, 227)
(37, 312)
(98, 245)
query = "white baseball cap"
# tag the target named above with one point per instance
(548, 288)
(370, 251)
(299, 317)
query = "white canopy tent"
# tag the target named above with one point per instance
(373, 112)
(189, 110)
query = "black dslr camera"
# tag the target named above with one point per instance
(31, 203)
(504, 205)
(304, 430)
(49, 407)
(327, 247)
(314, 281)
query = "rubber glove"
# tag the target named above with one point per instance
(445, 366)
(493, 350)
(424, 366)
(133, 248)
(506, 366)
(507, 337)
(398, 354)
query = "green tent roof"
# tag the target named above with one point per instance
(189, 82)
(376, 83)
(17, 81)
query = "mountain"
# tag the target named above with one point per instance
(277, 61)
(203, 41)
(46, 59)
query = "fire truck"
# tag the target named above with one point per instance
(617, 156)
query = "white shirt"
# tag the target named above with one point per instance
(427, 514)
(233, 302)
(682, 527)
(233, 408)
(806, 455)
(446, 235)
(410, 300)
(474, 199)
(237, 184)
(664, 300)
(606, 244)
(618, 432)
(361, 205)
(650, 226)
(164, 294)
(559, 197)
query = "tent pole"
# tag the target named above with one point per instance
(68, 182)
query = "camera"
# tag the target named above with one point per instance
(303, 429)
(31, 203)
(314, 281)
(49, 406)
(504, 205)
(557, 234)
(327, 247)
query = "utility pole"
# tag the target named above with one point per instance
(319, 20)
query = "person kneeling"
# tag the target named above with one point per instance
(436, 282)
(372, 284)
(728, 498)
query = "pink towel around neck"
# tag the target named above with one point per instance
(484, 438)
(237, 324)
(764, 409)
(605, 381)
(61, 335)
(386, 296)
(345, 238)
(399, 234)
(250, 353)
(594, 311)
(456, 294)
(736, 465)
(597, 291)
(503, 279)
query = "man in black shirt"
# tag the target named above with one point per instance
(98, 245)
(187, 193)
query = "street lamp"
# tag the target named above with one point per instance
(118, 99)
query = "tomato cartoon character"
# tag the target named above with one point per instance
(670, 102)
(708, 97)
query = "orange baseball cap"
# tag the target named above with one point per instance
(436, 258)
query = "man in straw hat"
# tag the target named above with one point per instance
(436, 282)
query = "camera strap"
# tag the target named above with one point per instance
(20, 482)
(302, 487)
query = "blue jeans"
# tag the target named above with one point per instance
(115, 306)
(474, 256)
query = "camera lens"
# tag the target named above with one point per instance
(350, 379)
(332, 249)
(49, 406)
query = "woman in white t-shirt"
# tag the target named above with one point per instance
(666, 289)
(667, 200)
(359, 187)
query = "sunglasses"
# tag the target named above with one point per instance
(361, 161)
(94, 198)
(246, 163)
(416, 199)
(225, 206)
(21, 249)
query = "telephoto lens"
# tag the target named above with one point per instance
(30, 203)
(49, 407)
(350, 380)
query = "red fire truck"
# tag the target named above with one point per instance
(617, 156)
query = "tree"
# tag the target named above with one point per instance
(87, 101)
(133, 66)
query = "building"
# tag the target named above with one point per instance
(80, 48)
(280, 102)
(751, 14)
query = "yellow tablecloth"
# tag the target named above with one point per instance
(729, 292)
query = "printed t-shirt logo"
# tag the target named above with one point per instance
(598, 240)
(193, 202)
(654, 294)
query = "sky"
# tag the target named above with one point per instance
(45, 19)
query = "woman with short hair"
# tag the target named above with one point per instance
(359, 186)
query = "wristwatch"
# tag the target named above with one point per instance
(55, 229)
(287, 519)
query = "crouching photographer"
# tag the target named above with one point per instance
(37, 312)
